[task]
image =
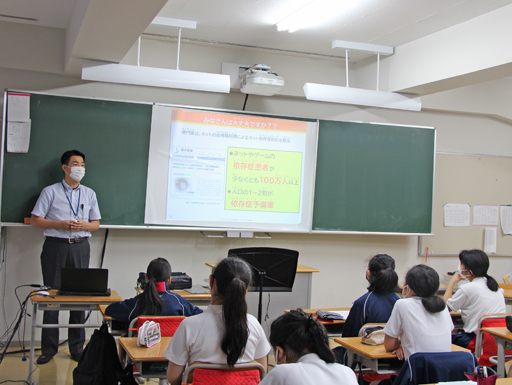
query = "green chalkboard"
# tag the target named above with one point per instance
(114, 136)
(369, 177)
(374, 178)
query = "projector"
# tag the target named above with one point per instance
(260, 80)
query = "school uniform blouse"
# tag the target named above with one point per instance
(198, 339)
(419, 330)
(372, 307)
(310, 369)
(475, 299)
(174, 304)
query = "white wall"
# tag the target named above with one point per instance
(340, 258)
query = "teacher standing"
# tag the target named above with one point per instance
(68, 212)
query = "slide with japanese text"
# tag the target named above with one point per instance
(229, 170)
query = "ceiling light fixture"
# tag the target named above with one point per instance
(157, 77)
(360, 96)
(313, 13)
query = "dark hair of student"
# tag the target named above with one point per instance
(478, 262)
(424, 281)
(298, 333)
(64, 159)
(149, 302)
(232, 277)
(383, 277)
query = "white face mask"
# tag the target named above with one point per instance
(403, 291)
(277, 358)
(463, 276)
(77, 173)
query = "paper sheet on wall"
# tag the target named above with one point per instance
(456, 214)
(18, 136)
(18, 107)
(486, 215)
(490, 237)
(506, 219)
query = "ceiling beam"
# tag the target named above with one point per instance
(107, 29)
(468, 53)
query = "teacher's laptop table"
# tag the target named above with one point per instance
(150, 362)
(55, 302)
(374, 357)
(503, 339)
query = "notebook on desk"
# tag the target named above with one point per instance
(79, 281)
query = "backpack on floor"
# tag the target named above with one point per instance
(100, 363)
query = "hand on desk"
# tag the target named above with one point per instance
(399, 353)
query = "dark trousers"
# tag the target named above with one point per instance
(54, 257)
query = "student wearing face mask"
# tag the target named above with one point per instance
(302, 354)
(68, 212)
(475, 299)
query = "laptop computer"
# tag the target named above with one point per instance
(79, 281)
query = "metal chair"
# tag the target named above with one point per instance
(486, 349)
(250, 373)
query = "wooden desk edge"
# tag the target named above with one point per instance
(54, 297)
(300, 268)
(378, 355)
(129, 343)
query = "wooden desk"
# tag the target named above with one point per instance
(147, 359)
(374, 357)
(507, 292)
(503, 337)
(195, 299)
(55, 302)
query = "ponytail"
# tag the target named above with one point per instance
(491, 283)
(298, 333)
(383, 278)
(149, 302)
(478, 262)
(424, 281)
(232, 277)
(433, 304)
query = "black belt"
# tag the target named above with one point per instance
(67, 240)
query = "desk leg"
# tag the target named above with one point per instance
(32, 343)
(501, 356)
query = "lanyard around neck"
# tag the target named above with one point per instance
(69, 201)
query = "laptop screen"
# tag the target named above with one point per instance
(74, 279)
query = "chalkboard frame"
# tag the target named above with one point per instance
(109, 170)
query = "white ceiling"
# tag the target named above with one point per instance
(252, 22)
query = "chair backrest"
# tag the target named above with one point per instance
(370, 325)
(250, 373)
(485, 346)
(429, 368)
(168, 324)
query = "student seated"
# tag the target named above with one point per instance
(376, 305)
(420, 321)
(302, 353)
(475, 299)
(155, 299)
(224, 333)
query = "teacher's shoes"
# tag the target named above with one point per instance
(41, 360)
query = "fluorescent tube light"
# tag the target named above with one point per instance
(177, 23)
(362, 97)
(155, 77)
(314, 13)
(364, 47)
